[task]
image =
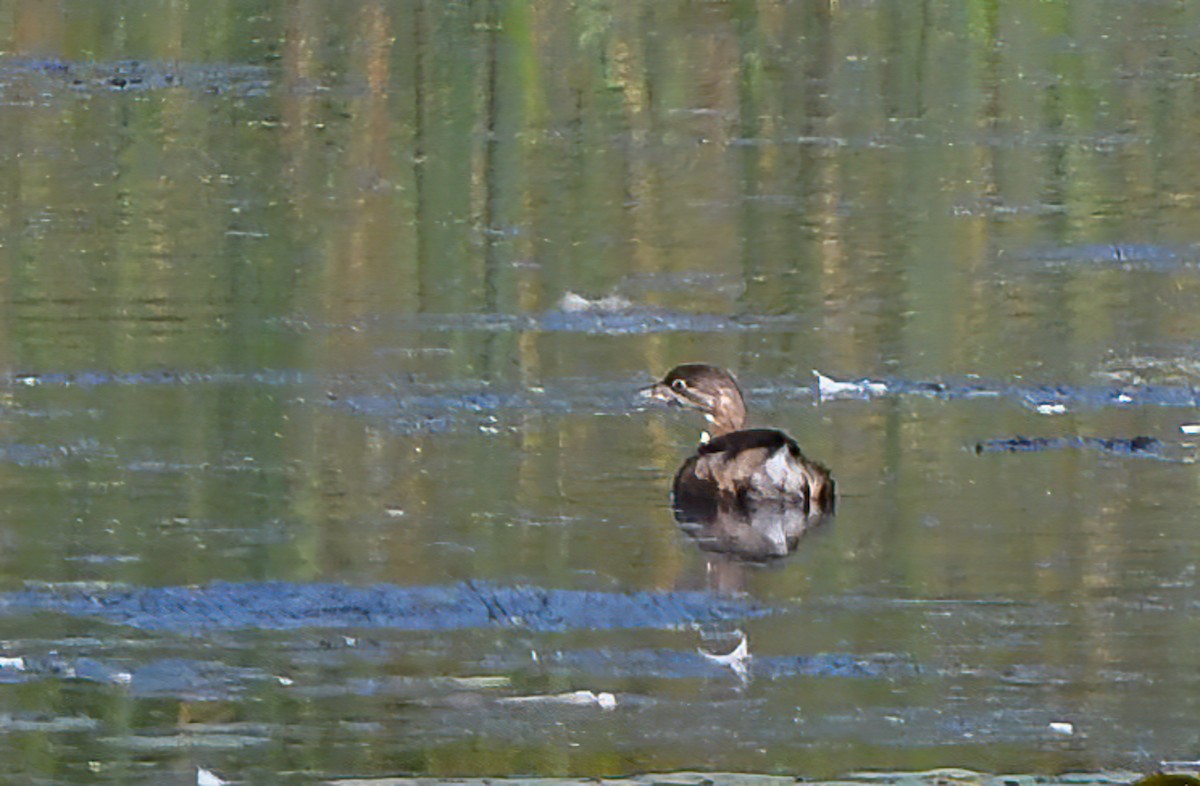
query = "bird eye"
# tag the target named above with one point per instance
(679, 384)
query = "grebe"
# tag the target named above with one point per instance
(739, 466)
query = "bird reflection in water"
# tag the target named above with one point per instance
(734, 534)
(755, 531)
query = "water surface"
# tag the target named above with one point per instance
(320, 449)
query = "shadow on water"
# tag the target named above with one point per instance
(288, 606)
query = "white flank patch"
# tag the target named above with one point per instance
(779, 469)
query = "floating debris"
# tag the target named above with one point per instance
(737, 660)
(572, 303)
(483, 681)
(1132, 446)
(829, 388)
(208, 778)
(12, 664)
(578, 698)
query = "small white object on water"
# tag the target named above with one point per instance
(830, 388)
(737, 661)
(480, 682)
(1051, 409)
(579, 698)
(572, 303)
(1062, 727)
(1190, 428)
(16, 664)
(208, 778)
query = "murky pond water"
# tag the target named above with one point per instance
(321, 453)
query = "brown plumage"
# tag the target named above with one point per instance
(738, 466)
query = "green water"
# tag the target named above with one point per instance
(282, 299)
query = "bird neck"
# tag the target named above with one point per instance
(728, 414)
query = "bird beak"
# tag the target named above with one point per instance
(658, 392)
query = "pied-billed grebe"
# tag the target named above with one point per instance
(736, 465)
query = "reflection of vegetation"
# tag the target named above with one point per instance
(871, 170)
(496, 127)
